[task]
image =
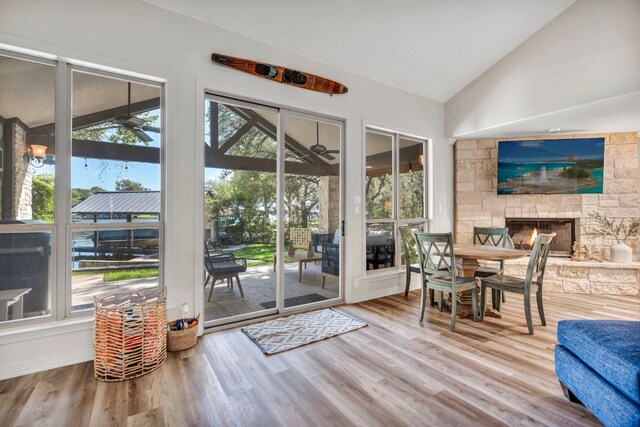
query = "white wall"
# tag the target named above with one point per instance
(138, 37)
(588, 53)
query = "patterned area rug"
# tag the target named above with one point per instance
(294, 301)
(275, 336)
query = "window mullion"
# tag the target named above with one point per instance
(62, 187)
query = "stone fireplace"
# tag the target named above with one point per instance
(523, 231)
(478, 204)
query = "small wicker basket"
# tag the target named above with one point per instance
(181, 340)
(130, 338)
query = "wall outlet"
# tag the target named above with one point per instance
(356, 283)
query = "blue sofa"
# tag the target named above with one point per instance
(598, 365)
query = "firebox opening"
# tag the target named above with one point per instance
(523, 232)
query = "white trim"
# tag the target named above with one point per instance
(45, 330)
(50, 362)
(377, 294)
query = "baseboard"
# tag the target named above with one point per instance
(380, 293)
(50, 362)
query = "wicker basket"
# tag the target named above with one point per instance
(181, 340)
(130, 338)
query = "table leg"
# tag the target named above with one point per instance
(465, 304)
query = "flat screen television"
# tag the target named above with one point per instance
(551, 166)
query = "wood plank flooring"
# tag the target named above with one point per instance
(396, 371)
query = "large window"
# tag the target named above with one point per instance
(81, 205)
(394, 194)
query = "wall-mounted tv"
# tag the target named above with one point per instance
(551, 166)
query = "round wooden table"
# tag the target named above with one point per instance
(470, 255)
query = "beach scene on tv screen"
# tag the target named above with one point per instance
(551, 166)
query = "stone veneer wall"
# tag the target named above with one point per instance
(328, 204)
(477, 202)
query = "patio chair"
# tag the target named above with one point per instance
(492, 236)
(532, 282)
(438, 271)
(300, 238)
(223, 266)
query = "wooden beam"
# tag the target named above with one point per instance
(101, 116)
(264, 165)
(236, 136)
(110, 151)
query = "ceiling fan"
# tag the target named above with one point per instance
(321, 150)
(133, 124)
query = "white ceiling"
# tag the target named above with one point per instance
(433, 48)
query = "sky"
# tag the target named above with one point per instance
(550, 149)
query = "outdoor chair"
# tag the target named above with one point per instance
(438, 271)
(532, 283)
(410, 254)
(300, 238)
(318, 240)
(223, 266)
(492, 236)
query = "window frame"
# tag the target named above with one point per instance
(62, 228)
(395, 196)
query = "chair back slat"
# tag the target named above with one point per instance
(409, 244)
(436, 255)
(538, 259)
(490, 236)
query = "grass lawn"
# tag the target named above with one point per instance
(257, 254)
(139, 273)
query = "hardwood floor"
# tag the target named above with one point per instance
(396, 371)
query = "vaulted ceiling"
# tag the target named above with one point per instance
(432, 48)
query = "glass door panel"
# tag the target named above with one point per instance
(312, 210)
(240, 200)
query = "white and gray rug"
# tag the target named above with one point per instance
(285, 333)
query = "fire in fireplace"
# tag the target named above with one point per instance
(523, 232)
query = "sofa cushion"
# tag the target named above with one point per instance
(605, 401)
(609, 347)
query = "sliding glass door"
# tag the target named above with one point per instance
(271, 200)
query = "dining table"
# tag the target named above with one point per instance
(470, 255)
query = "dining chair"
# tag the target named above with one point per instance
(492, 236)
(410, 253)
(438, 272)
(531, 283)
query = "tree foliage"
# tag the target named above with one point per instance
(80, 194)
(42, 193)
(128, 185)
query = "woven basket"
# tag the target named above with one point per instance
(130, 334)
(181, 340)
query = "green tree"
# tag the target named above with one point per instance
(42, 193)
(80, 194)
(128, 185)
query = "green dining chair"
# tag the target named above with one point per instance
(531, 283)
(438, 271)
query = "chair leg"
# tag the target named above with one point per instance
(454, 302)
(207, 277)
(474, 301)
(323, 280)
(408, 283)
(540, 307)
(423, 297)
(432, 297)
(239, 285)
(213, 283)
(497, 298)
(527, 313)
(483, 299)
(504, 299)
(440, 302)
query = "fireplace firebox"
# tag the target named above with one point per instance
(524, 230)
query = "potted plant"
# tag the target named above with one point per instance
(621, 230)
